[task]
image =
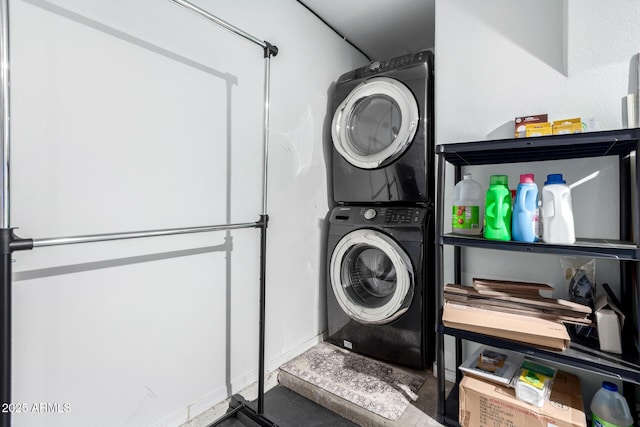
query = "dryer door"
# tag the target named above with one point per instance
(375, 123)
(371, 276)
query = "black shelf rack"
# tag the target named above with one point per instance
(551, 147)
(576, 356)
(598, 248)
(621, 143)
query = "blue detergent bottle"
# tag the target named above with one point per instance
(525, 225)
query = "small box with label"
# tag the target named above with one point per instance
(522, 122)
(567, 126)
(538, 129)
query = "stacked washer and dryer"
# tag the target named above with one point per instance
(380, 248)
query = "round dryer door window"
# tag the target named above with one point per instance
(371, 277)
(375, 123)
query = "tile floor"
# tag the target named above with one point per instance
(286, 408)
(292, 402)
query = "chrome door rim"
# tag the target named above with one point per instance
(408, 107)
(404, 290)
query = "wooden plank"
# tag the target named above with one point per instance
(581, 317)
(516, 327)
(506, 307)
(493, 284)
(519, 294)
(542, 302)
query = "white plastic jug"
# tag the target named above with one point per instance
(468, 207)
(609, 408)
(557, 211)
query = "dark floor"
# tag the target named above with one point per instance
(285, 408)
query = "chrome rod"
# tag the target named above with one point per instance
(4, 117)
(265, 135)
(6, 285)
(57, 241)
(220, 22)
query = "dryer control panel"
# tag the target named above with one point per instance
(379, 67)
(391, 64)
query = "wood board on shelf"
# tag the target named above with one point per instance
(506, 307)
(510, 286)
(535, 301)
(517, 327)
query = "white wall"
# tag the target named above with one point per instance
(142, 115)
(500, 59)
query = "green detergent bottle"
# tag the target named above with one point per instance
(497, 216)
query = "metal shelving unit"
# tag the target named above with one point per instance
(620, 143)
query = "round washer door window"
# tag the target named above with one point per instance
(375, 123)
(371, 277)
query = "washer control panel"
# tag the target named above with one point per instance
(402, 216)
(379, 215)
(391, 215)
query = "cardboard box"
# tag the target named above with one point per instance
(567, 126)
(522, 122)
(526, 329)
(538, 129)
(502, 375)
(610, 320)
(483, 403)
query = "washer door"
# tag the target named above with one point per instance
(371, 276)
(375, 123)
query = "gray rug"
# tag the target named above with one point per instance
(375, 386)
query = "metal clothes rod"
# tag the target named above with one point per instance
(10, 243)
(269, 50)
(5, 251)
(4, 107)
(57, 241)
(220, 22)
(265, 144)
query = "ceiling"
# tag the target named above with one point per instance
(380, 29)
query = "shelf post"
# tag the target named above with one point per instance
(439, 275)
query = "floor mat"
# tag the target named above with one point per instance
(375, 386)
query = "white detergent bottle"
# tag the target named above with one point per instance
(468, 207)
(557, 211)
(609, 408)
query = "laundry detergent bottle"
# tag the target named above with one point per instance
(525, 221)
(609, 408)
(467, 214)
(557, 211)
(497, 215)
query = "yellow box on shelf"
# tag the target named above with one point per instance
(567, 126)
(538, 129)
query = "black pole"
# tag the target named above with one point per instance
(5, 326)
(269, 51)
(457, 277)
(8, 243)
(264, 219)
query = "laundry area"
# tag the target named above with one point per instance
(319, 213)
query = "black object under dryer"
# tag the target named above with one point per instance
(381, 283)
(382, 132)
